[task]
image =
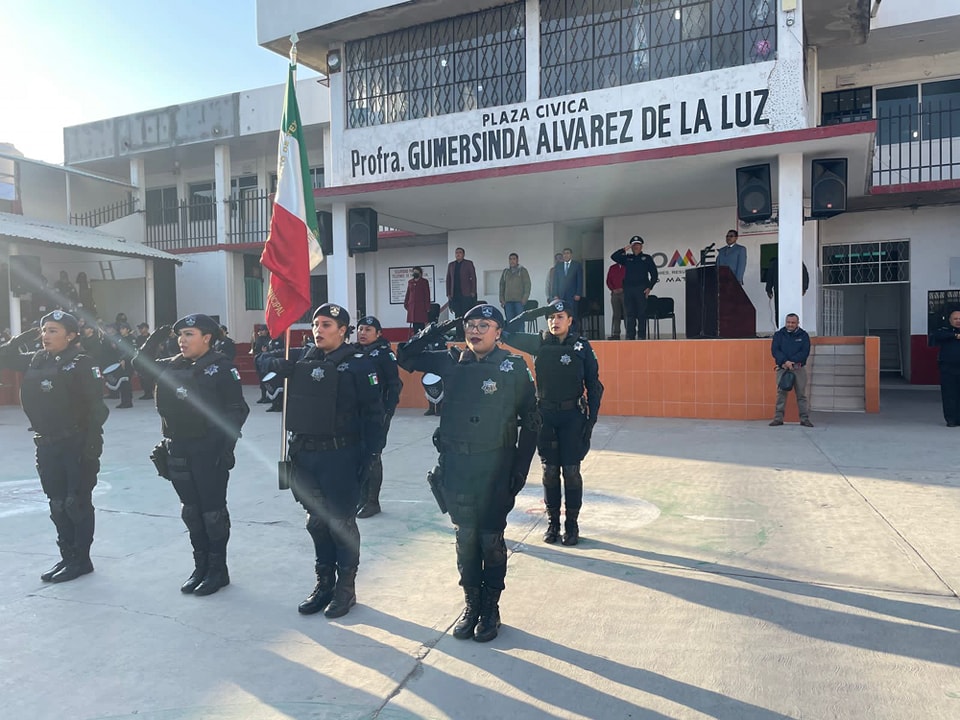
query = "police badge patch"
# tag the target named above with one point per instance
(46, 386)
(565, 359)
(317, 374)
(181, 393)
(343, 367)
(58, 315)
(211, 370)
(487, 311)
(578, 346)
(375, 353)
(190, 321)
(69, 366)
(506, 366)
(489, 387)
(558, 306)
(334, 310)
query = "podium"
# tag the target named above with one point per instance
(717, 306)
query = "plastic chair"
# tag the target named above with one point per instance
(650, 313)
(532, 326)
(660, 309)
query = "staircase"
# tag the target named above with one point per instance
(244, 363)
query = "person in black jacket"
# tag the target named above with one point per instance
(62, 395)
(335, 415)
(569, 392)
(370, 341)
(948, 338)
(638, 281)
(790, 348)
(226, 346)
(484, 460)
(772, 284)
(201, 406)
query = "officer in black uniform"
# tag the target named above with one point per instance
(489, 395)
(62, 396)
(335, 417)
(638, 280)
(274, 390)
(201, 406)
(370, 342)
(566, 366)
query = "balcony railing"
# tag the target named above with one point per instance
(917, 146)
(105, 214)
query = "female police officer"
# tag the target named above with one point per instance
(566, 366)
(62, 395)
(201, 406)
(483, 462)
(335, 415)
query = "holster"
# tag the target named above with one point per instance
(160, 458)
(285, 471)
(435, 480)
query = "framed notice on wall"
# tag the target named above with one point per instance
(399, 276)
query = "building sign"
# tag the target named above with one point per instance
(708, 106)
(400, 276)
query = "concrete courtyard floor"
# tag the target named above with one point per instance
(727, 570)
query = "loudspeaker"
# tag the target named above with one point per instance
(362, 230)
(828, 188)
(25, 274)
(754, 201)
(325, 236)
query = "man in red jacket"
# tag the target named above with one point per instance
(461, 284)
(615, 275)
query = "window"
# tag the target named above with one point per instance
(253, 282)
(919, 111)
(591, 44)
(898, 114)
(941, 109)
(462, 63)
(161, 206)
(316, 176)
(844, 106)
(200, 200)
(864, 263)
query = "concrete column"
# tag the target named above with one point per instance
(138, 178)
(533, 49)
(221, 191)
(69, 208)
(149, 294)
(790, 242)
(333, 173)
(341, 266)
(15, 327)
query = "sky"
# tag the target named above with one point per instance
(68, 62)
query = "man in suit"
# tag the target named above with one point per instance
(568, 281)
(733, 255)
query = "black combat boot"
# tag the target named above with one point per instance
(551, 498)
(571, 531)
(77, 563)
(217, 575)
(371, 488)
(200, 567)
(61, 563)
(345, 593)
(489, 622)
(217, 526)
(323, 592)
(463, 630)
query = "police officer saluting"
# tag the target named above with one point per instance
(371, 343)
(62, 395)
(489, 395)
(335, 416)
(201, 406)
(566, 367)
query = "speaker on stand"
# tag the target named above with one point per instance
(362, 228)
(754, 200)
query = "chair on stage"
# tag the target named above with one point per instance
(532, 326)
(589, 318)
(660, 308)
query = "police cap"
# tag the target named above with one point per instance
(371, 321)
(68, 321)
(332, 310)
(558, 306)
(485, 312)
(204, 323)
(636, 239)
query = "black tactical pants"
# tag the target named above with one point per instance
(68, 481)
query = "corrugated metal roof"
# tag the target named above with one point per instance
(20, 229)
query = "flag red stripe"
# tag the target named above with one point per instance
(286, 255)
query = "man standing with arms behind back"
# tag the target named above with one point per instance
(790, 349)
(514, 288)
(615, 274)
(568, 282)
(461, 284)
(734, 256)
(638, 280)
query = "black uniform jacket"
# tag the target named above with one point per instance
(385, 361)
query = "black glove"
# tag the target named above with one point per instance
(157, 338)
(588, 430)
(92, 447)
(517, 481)
(27, 337)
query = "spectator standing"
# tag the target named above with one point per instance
(948, 338)
(568, 282)
(790, 349)
(225, 345)
(733, 255)
(514, 287)
(615, 274)
(461, 284)
(417, 300)
(640, 275)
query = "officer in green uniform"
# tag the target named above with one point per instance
(566, 367)
(62, 396)
(484, 460)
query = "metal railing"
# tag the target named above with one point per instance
(106, 214)
(186, 226)
(250, 218)
(917, 146)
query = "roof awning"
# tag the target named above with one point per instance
(31, 231)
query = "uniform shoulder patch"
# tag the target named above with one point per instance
(373, 379)
(235, 374)
(96, 372)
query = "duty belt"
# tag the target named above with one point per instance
(562, 405)
(465, 448)
(314, 443)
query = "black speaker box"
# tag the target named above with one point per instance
(828, 188)
(25, 274)
(754, 201)
(362, 230)
(325, 237)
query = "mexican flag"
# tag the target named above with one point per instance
(292, 249)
